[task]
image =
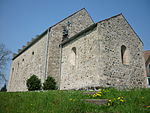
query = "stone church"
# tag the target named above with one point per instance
(79, 53)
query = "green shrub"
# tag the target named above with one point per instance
(49, 84)
(33, 83)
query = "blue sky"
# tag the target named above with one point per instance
(21, 20)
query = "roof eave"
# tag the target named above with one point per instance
(30, 44)
(78, 34)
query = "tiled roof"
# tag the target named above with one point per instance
(146, 55)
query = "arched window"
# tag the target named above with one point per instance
(18, 65)
(74, 50)
(33, 53)
(124, 55)
(73, 56)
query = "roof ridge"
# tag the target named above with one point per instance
(69, 16)
(34, 40)
(127, 23)
(109, 18)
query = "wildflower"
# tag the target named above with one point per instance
(119, 98)
(109, 100)
(99, 95)
(100, 92)
(122, 100)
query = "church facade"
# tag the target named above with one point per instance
(79, 53)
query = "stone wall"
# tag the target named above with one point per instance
(110, 55)
(78, 22)
(115, 33)
(46, 59)
(84, 72)
(31, 61)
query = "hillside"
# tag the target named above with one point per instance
(136, 101)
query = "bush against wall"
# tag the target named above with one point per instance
(49, 84)
(33, 83)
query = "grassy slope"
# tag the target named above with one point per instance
(70, 102)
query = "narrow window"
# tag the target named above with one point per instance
(124, 55)
(33, 53)
(18, 64)
(74, 50)
(73, 56)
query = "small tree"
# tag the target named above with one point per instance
(33, 83)
(49, 84)
(4, 60)
(4, 88)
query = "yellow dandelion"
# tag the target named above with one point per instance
(99, 95)
(99, 92)
(109, 100)
(122, 100)
(119, 98)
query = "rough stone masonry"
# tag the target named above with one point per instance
(79, 53)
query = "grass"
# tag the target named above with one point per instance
(57, 101)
